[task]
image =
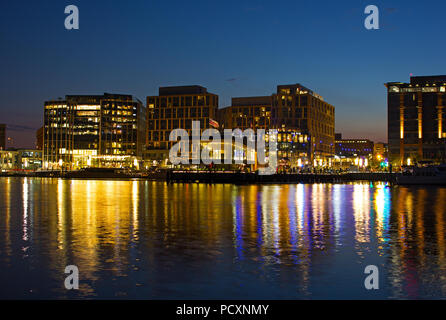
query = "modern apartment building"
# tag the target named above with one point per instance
(416, 121)
(297, 107)
(176, 107)
(304, 121)
(247, 112)
(93, 130)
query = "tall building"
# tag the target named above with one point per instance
(247, 112)
(415, 113)
(2, 136)
(297, 107)
(305, 122)
(93, 130)
(176, 107)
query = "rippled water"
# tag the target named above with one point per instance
(152, 240)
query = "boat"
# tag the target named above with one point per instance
(99, 173)
(428, 175)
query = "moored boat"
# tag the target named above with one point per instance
(430, 175)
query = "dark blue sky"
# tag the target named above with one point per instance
(234, 48)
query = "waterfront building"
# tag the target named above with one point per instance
(304, 121)
(2, 136)
(93, 131)
(416, 121)
(299, 108)
(247, 112)
(176, 107)
(29, 159)
(20, 159)
(352, 154)
(380, 150)
(353, 147)
(9, 160)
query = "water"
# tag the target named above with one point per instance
(152, 240)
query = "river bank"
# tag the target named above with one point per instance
(218, 177)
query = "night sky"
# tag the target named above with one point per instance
(234, 48)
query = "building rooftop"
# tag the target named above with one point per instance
(180, 90)
(427, 79)
(296, 88)
(420, 80)
(88, 97)
(251, 101)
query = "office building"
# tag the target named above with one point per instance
(176, 107)
(353, 147)
(247, 112)
(297, 107)
(416, 121)
(93, 130)
(304, 121)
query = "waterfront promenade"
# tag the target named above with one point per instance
(224, 177)
(249, 178)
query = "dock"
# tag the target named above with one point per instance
(172, 176)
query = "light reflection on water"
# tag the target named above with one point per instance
(143, 239)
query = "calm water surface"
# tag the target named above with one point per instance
(152, 240)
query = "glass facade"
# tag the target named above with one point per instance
(84, 131)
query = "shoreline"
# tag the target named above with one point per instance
(222, 177)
